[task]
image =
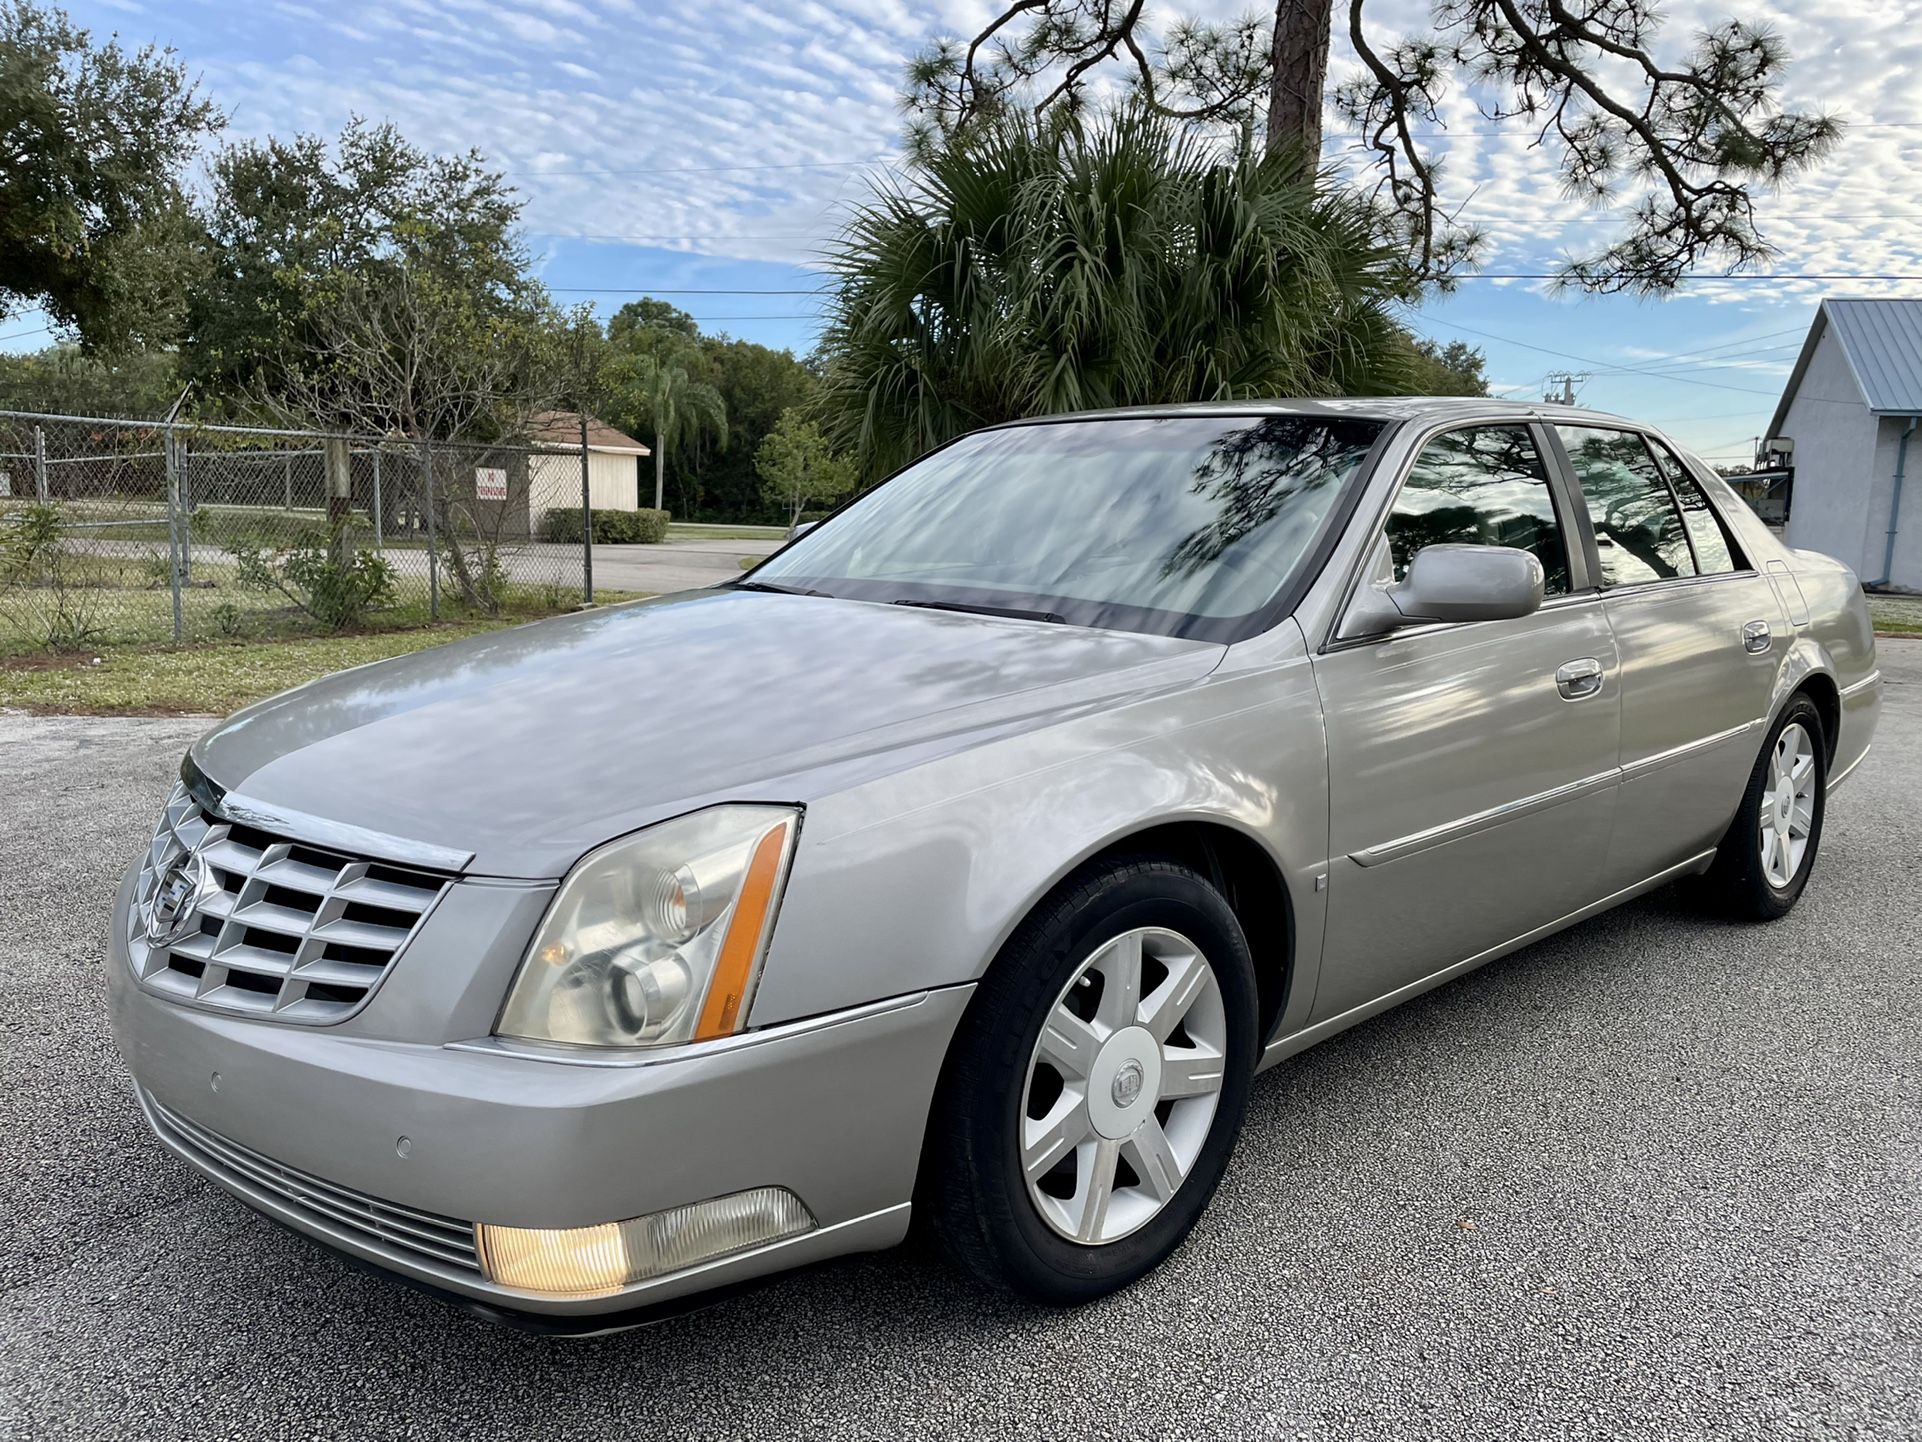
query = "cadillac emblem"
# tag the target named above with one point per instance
(174, 909)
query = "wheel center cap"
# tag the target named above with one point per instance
(1784, 799)
(1125, 1082)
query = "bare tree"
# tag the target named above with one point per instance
(1685, 140)
(408, 353)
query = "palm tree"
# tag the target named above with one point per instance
(662, 396)
(1033, 267)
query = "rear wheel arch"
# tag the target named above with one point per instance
(1820, 688)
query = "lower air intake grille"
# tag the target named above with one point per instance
(401, 1232)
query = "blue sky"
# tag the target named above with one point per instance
(702, 151)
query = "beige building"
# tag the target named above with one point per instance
(614, 464)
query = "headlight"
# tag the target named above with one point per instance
(657, 938)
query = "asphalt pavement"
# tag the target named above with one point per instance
(1656, 1176)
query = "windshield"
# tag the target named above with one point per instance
(1180, 525)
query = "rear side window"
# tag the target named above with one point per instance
(1638, 529)
(1485, 486)
(1714, 552)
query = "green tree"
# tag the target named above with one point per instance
(656, 393)
(368, 283)
(94, 224)
(797, 466)
(66, 380)
(635, 323)
(758, 385)
(1455, 369)
(1687, 136)
(1033, 267)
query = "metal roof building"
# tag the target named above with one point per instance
(1849, 415)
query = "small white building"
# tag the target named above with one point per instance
(613, 467)
(1849, 417)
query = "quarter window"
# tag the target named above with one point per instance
(1714, 554)
(1638, 529)
(1485, 486)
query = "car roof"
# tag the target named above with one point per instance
(1384, 408)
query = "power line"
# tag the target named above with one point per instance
(1590, 361)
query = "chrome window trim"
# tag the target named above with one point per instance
(1677, 583)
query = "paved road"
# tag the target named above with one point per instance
(674, 565)
(1656, 1176)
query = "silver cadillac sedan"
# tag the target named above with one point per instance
(964, 861)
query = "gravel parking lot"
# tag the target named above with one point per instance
(1655, 1176)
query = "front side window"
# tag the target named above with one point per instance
(1485, 486)
(1181, 525)
(1714, 554)
(1638, 530)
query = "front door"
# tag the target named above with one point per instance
(1472, 768)
(1701, 635)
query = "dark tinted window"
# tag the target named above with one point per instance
(1485, 486)
(1638, 530)
(1714, 554)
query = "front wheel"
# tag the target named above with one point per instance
(1097, 1085)
(1765, 859)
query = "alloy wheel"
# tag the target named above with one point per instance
(1123, 1085)
(1788, 805)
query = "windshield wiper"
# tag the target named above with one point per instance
(773, 589)
(1012, 611)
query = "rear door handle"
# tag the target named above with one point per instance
(1756, 637)
(1579, 679)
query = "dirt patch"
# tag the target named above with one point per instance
(48, 661)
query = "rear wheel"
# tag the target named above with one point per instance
(1097, 1085)
(1765, 859)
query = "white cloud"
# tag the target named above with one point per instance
(672, 119)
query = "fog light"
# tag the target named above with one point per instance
(583, 1261)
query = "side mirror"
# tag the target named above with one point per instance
(1450, 583)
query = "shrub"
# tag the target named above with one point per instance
(336, 589)
(611, 528)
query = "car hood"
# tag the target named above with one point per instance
(527, 747)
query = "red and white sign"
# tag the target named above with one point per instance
(490, 483)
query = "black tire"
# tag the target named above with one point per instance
(1736, 884)
(973, 1183)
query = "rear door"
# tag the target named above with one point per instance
(1699, 634)
(1472, 767)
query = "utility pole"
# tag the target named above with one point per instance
(1567, 380)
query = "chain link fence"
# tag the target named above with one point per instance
(124, 532)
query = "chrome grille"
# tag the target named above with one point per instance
(279, 929)
(402, 1232)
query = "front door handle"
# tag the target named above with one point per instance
(1579, 679)
(1756, 637)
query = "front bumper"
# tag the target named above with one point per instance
(834, 1109)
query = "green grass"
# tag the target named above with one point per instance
(1897, 615)
(705, 531)
(210, 679)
